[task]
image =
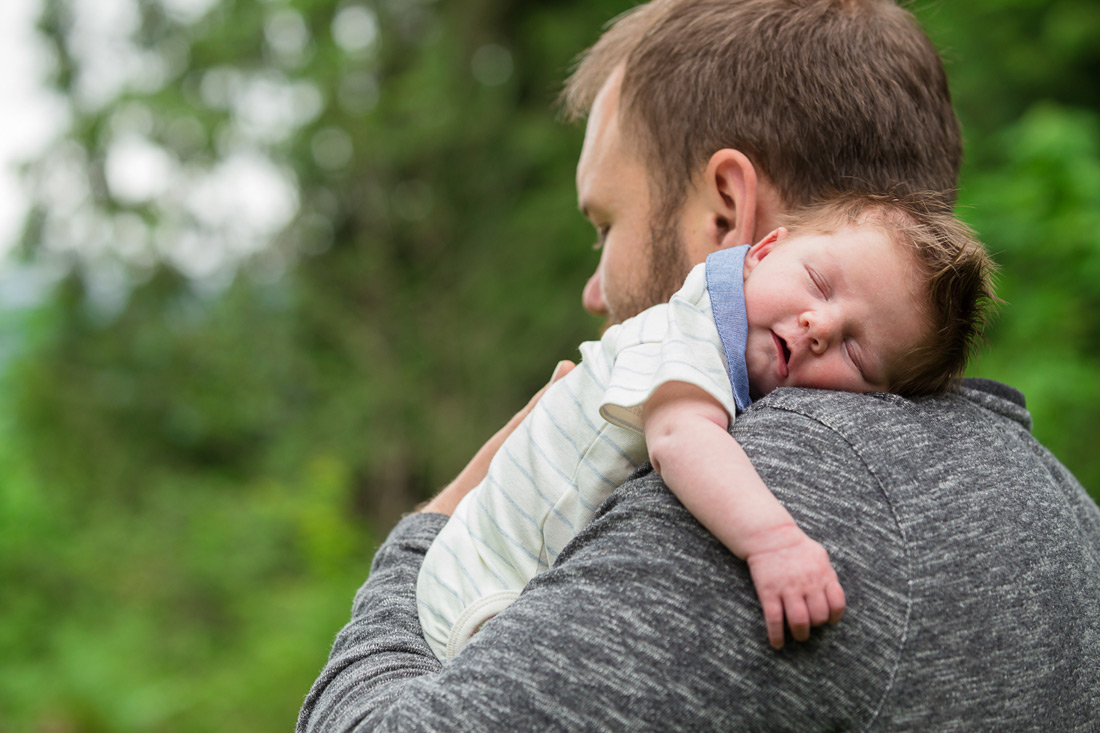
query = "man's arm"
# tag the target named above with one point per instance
(646, 621)
(382, 649)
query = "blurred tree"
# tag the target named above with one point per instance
(296, 237)
(314, 252)
(1025, 91)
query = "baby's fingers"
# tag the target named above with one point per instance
(835, 595)
(818, 605)
(798, 616)
(773, 619)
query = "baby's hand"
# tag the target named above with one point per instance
(793, 578)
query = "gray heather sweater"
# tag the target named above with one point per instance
(969, 555)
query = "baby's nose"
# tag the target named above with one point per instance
(820, 329)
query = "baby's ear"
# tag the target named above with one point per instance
(763, 248)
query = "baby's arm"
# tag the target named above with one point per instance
(689, 444)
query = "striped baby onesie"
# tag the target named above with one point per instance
(582, 440)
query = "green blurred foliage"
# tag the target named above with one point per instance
(1024, 86)
(197, 466)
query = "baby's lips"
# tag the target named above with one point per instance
(780, 356)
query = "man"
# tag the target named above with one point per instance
(969, 556)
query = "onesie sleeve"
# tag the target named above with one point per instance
(672, 342)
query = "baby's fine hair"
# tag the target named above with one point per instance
(956, 268)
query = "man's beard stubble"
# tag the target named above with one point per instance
(666, 253)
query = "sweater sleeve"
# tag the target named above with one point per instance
(382, 649)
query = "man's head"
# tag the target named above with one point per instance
(866, 293)
(729, 112)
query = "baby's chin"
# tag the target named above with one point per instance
(759, 387)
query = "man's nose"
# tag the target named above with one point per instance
(592, 298)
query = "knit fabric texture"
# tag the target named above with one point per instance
(970, 558)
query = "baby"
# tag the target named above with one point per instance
(859, 293)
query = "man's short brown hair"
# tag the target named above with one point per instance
(955, 271)
(819, 94)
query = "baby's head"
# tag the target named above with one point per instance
(866, 293)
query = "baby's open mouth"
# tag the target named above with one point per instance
(784, 355)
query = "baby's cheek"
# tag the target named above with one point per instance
(827, 373)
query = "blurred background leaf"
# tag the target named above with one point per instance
(294, 260)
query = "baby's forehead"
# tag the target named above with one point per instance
(850, 244)
(873, 263)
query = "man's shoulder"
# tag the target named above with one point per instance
(928, 472)
(879, 434)
(982, 402)
(942, 517)
(678, 615)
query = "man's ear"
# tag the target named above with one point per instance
(763, 248)
(730, 190)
